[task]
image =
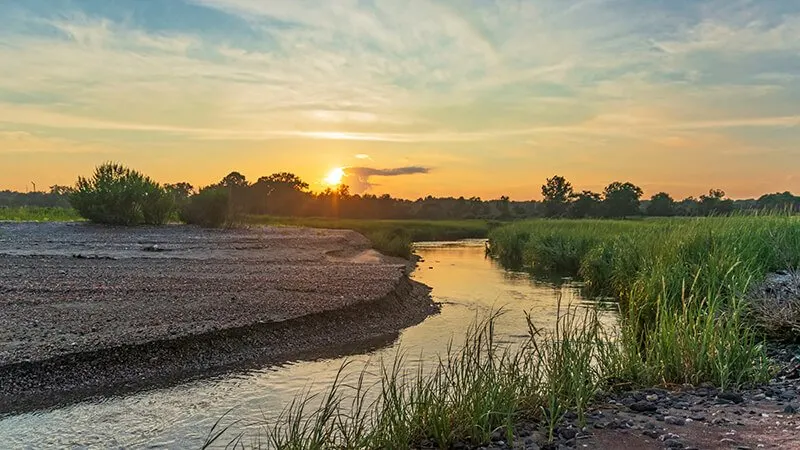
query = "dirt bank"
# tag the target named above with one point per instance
(86, 310)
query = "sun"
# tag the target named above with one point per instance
(334, 177)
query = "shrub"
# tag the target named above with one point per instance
(207, 208)
(117, 195)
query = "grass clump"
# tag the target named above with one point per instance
(472, 392)
(117, 195)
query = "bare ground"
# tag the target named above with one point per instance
(87, 309)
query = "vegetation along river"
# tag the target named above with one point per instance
(464, 281)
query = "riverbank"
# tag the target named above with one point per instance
(88, 310)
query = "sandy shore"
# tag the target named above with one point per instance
(88, 310)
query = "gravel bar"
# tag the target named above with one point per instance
(92, 310)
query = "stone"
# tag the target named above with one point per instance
(643, 407)
(569, 433)
(653, 434)
(672, 420)
(729, 396)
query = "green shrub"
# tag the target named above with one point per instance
(117, 195)
(208, 208)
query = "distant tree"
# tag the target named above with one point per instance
(234, 180)
(60, 190)
(784, 201)
(557, 192)
(284, 180)
(715, 203)
(180, 190)
(689, 206)
(504, 207)
(661, 204)
(586, 204)
(622, 199)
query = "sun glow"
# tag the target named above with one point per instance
(334, 177)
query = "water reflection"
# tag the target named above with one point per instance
(468, 285)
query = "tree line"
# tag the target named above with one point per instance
(114, 187)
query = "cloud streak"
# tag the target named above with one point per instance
(359, 179)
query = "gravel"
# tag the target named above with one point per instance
(87, 309)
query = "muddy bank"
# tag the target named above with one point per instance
(88, 310)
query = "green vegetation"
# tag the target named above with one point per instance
(117, 195)
(682, 285)
(680, 282)
(38, 214)
(391, 237)
(208, 208)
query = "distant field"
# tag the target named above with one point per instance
(391, 237)
(38, 214)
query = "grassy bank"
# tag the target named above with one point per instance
(391, 237)
(38, 214)
(646, 262)
(682, 284)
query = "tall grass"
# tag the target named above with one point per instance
(472, 392)
(682, 283)
(650, 261)
(483, 388)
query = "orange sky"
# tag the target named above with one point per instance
(488, 100)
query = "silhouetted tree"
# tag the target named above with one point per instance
(557, 192)
(586, 204)
(661, 204)
(234, 180)
(783, 201)
(622, 199)
(60, 190)
(715, 203)
(180, 190)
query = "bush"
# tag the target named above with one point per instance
(117, 195)
(207, 208)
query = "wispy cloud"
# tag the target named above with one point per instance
(433, 77)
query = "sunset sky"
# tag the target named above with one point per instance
(447, 97)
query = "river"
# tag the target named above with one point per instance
(464, 281)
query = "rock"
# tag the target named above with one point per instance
(790, 409)
(652, 397)
(729, 396)
(698, 417)
(497, 435)
(673, 443)
(653, 434)
(569, 433)
(643, 407)
(672, 420)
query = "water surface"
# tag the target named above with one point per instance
(468, 285)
